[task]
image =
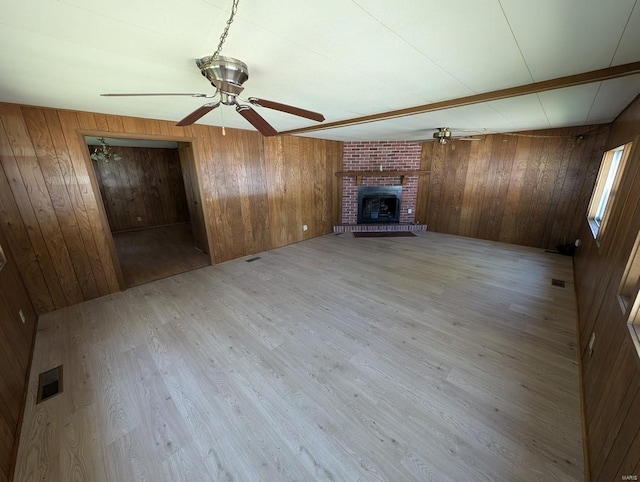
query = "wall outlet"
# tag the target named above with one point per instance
(24, 320)
(139, 218)
(409, 211)
(305, 227)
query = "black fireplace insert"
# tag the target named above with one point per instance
(379, 204)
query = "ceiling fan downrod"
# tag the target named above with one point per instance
(225, 32)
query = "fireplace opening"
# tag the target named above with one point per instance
(379, 204)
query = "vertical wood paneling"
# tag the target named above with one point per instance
(295, 176)
(433, 201)
(40, 130)
(527, 190)
(114, 123)
(515, 193)
(334, 163)
(224, 176)
(102, 124)
(454, 175)
(277, 186)
(560, 206)
(16, 339)
(212, 201)
(319, 208)
(132, 175)
(523, 182)
(293, 179)
(479, 162)
(543, 155)
(85, 198)
(35, 209)
(22, 237)
(107, 183)
(611, 375)
(256, 193)
(255, 196)
(91, 264)
(423, 195)
(192, 192)
(496, 186)
(146, 183)
(559, 174)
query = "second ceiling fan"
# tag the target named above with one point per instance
(444, 135)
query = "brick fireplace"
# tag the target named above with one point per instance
(369, 156)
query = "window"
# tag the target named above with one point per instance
(606, 185)
(629, 293)
(630, 283)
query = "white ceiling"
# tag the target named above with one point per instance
(344, 58)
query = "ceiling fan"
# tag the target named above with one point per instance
(227, 75)
(444, 135)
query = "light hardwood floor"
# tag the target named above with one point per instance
(154, 253)
(426, 358)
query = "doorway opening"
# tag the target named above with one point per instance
(151, 201)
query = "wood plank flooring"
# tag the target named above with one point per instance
(154, 253)
(427, 358)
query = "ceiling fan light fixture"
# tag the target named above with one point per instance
(442, 135)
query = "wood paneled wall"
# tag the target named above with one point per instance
(611, 376)
(256, 194)
(146, 183)
(16, 340)
(525, 190)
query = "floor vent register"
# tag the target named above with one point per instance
(49, 384)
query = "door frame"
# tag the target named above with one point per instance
(104, 221)
(189, 169)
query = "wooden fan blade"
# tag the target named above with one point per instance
(256, 120)
(156, 94)
(289, 109)
(196, 114)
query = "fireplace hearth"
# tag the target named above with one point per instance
(379, 204)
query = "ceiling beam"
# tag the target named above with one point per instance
(534, 88)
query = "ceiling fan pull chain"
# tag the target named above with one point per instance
(223, 37)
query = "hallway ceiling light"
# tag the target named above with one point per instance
(104, 152)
